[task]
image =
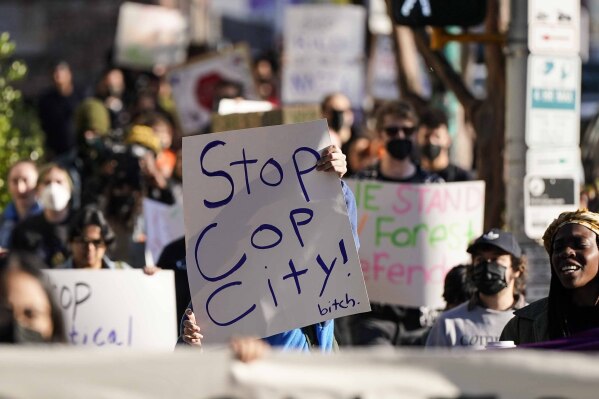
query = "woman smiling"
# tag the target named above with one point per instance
(572, 242)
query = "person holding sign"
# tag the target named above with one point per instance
(396, 125)
(572, 242)
(89, 236)
(498, 273)
(319, 335)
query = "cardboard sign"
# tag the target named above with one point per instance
(323, 56)
(164, 224)
(195, 83)
(150, 35)
(269, 243)
(117, 308)
(282, 116)
(411, 235)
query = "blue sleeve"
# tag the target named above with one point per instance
(352, 211)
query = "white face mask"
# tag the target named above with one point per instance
(55, 197)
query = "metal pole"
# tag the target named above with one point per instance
(515, 146)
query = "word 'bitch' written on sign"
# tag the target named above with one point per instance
(269, 243)
(411, 235)
(116, 308)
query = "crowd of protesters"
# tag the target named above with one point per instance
(112, 144)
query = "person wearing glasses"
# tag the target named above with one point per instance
(394, 325)
(434, 142)
(89, 236)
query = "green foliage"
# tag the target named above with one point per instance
(21, 136)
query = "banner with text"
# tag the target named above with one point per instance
(322, 55)
(269, 243)
(117, 308)
(149, 35)
(411, 235)
(196, 84)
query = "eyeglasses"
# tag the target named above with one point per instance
(96, 243)
(393, 131)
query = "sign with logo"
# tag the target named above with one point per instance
(553, 101)
(545, 197)
(554, 26)
(196, 85)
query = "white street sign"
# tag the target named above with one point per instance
(554, 26)
(553, 101)
(545, 197)
(553, 160)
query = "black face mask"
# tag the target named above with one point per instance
(431, 151)
(14, 333)
(399, 148)
(489, 277)
(336, 121)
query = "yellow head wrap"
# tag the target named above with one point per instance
(583, 217)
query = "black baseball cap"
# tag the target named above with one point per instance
(499, 239)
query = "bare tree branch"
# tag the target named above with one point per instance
(448, 76)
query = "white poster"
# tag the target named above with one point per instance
(324, 53)
(411, 235)
(317, 30)
(149, 35)
(117, 308)
(194, 85)
(269, 243)
(164, 224)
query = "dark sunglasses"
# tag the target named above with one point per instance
(393, 131)
(96, 243)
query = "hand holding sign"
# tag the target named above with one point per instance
(332, 160)
(191, 331)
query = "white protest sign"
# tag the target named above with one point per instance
(323, 55)
(164, 224)
(194, 85)
(150, 35)
(117, 308)
(411, 235)
(269, 243)
(318, 30)
(309, 82)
